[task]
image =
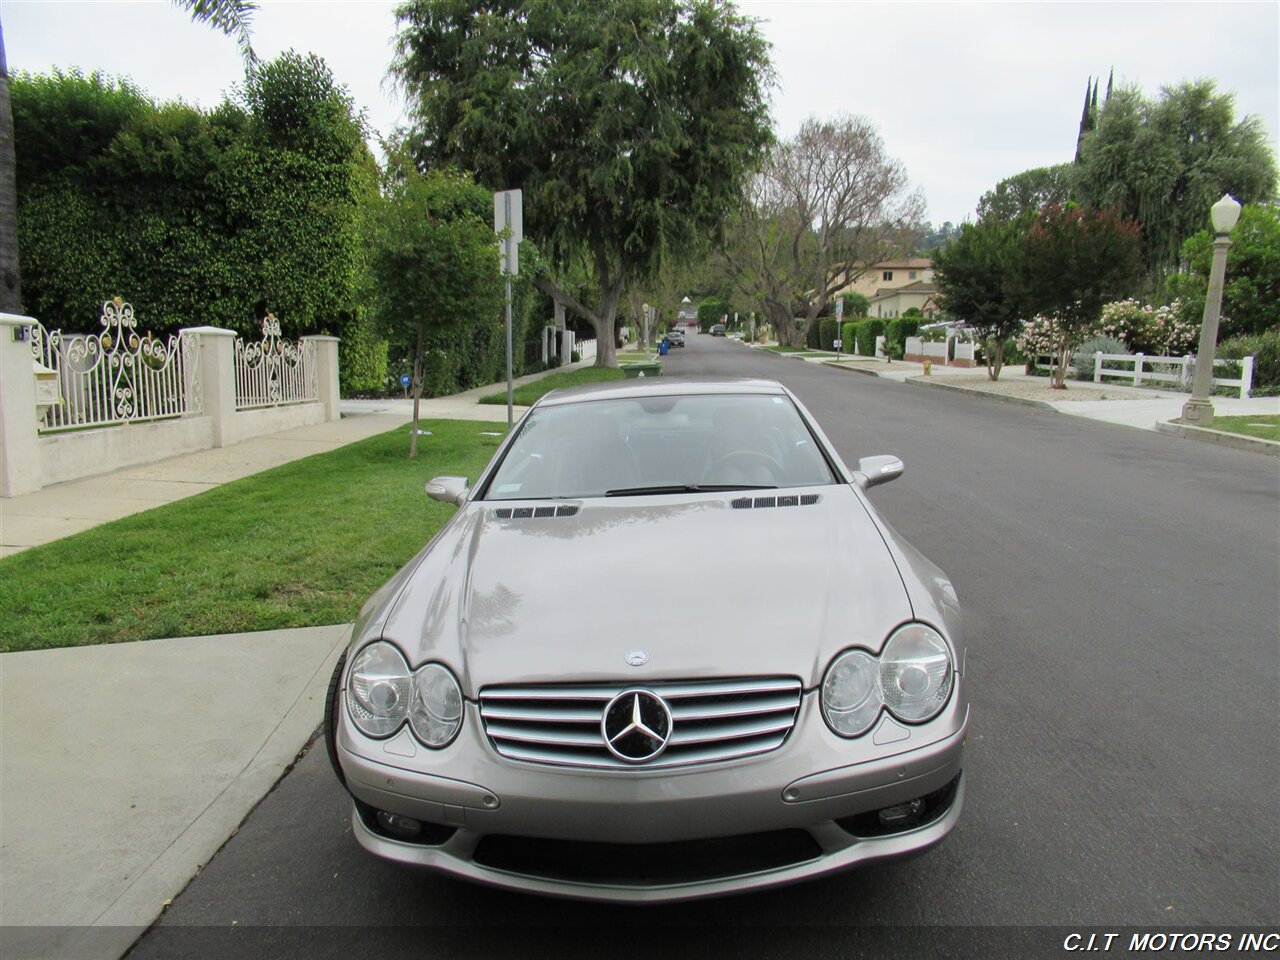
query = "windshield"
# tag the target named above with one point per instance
(656, 445)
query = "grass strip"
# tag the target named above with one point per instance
(302, 544)
(531, 393)
(1266, 427)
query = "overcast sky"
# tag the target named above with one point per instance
(963, 93)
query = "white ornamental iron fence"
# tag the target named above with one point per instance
(112, 377)
(274, 371)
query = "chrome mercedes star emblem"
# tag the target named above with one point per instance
(636, 726)
(637, 658)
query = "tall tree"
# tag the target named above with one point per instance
(631, 126)
(1251, 293)
(433, 263)
(1086, 117)
(1165, 163)
(828, 206)
(229, 16)
(10, 274)
(1027, 192)
(1072, 261)
(977, 277)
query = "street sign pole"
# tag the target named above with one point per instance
(506, 196)
(839, 338)
(508, 215)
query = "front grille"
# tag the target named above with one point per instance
(647, 864)
(710, 721)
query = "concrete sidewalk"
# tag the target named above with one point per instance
(1108, 402)
(125, 767)
(66, 508)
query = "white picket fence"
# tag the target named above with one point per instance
(586, 349)
(1175, 370)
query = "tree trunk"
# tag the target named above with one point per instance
(785, 330)
(602, 323)
(995, 358)
(10, 274)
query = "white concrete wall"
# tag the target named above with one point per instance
(85, 453)
(29, 461)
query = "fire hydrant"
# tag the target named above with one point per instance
(928, 367)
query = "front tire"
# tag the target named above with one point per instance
(332, 702)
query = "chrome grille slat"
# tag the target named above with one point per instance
(501, 731)
(534, 714)
(704, 711)
(728, 731)
(712, 720)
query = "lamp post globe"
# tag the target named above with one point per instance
(1198, 411)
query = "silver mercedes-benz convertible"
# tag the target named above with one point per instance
(665, 649)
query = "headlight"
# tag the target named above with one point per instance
(379, 690)
(436, 712)
(912, 677)
(915, 673)
(851, 693)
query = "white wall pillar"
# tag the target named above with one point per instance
(327, 374)
(216, 356)
(566, 348)
(19, 454)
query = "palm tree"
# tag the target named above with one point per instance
(231, 17)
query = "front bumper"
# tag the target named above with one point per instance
(804, 799)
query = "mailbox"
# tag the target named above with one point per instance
(48, 390)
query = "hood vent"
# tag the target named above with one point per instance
(791, 500)
(535, 513)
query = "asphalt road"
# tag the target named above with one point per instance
(1120, 589)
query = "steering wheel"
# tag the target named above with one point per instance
(775, 468)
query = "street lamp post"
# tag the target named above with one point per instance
(1198, 411)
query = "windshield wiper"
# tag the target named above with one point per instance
(688, 488)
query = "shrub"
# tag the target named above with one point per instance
(710, 310)
(362, 358)
(813, 339)
(827, 339)
(1265, 349)
(913, 313)
(898, 329)
(868, 330)
(1083, 359)
(849, 334)
(855, 304)
(934, 335)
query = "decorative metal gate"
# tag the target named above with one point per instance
(273, 371)
(113, 377)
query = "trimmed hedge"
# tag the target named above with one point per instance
(813, 339)
(867, 332)
(827, 339)
(897, 330)
(362, 357)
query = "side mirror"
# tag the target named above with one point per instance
(873, 471)
(448, 489)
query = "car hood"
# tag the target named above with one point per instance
(706, 589)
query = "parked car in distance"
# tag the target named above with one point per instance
(676, 337)
(718, 330)
(502, 714)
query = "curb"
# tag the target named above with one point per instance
(865, 371)
(1004, 398)
(1220, 437)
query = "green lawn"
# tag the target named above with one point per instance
(530, 393)
(299, 545)
(782, 348)
(1265, 427)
